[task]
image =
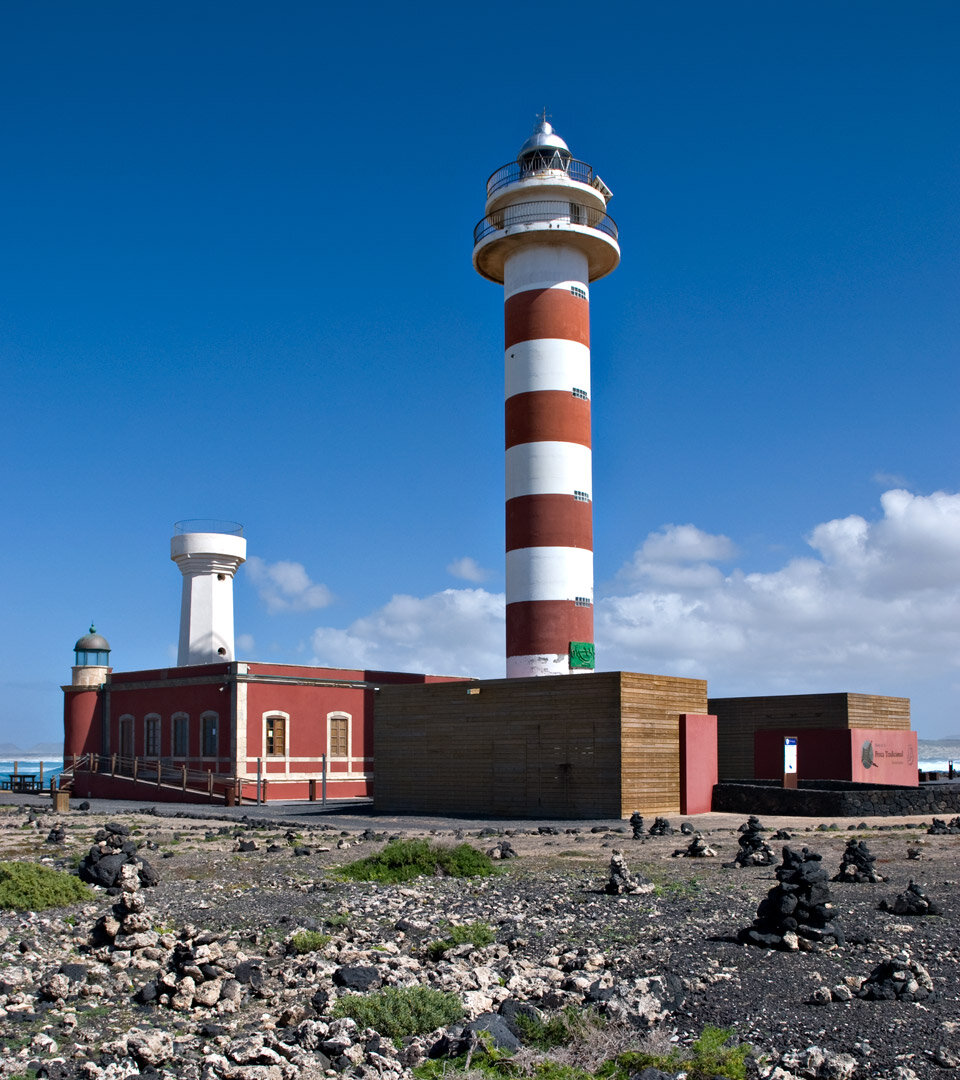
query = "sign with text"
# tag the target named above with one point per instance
(789, 754)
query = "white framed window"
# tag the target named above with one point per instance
(276, 734)
(151, 735)
(339, 735)
(181, 735)
(209, 728)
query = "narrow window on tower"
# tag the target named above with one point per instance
(577, 291)
(577, 392)
(581, 496)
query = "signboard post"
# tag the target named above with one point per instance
(790, 761)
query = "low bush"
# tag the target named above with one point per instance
(305, 941)
(398, 1011)
(477, 934)
(31, 887)
(404, 860)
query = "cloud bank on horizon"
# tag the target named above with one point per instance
(874, 606)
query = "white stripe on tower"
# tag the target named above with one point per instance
(549, 571)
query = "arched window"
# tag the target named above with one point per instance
(181, 735)
(338, 734)
(126, 736)
(151, 735)
(275, 734)
(209, 723)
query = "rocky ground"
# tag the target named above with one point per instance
(196, 977)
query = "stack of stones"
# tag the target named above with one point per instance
(661, 827)
(112, 850)
(753, 850)
(57, 835)
(898, 978)
(636, 823)
(912, 901)
(943, 828)
(797, 913)
(696, 849)
(621, 881)
(127, 928)
(857, 864)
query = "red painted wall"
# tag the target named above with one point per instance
(81, 722)
(192, 699)
(698, 762)
(838, 754)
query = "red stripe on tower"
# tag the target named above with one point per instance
(545, 237)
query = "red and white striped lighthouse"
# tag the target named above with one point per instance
(545, 236)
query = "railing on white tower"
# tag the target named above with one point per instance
(545, 212)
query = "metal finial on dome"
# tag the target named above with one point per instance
(544, 138)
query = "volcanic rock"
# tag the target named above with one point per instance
(797, 913)
(912, 901)
(621, 881)
(857, 864)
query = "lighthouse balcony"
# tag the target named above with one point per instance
(544, 214)
(541, 165)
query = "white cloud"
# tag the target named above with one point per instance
(286, 586)
(678, 556)
(468, 569)
(246, 644)
(454, 632)
(876, 608)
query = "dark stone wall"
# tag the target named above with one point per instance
(825, 798)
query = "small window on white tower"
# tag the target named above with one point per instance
(581, 496)
(582, 394)
(578, 292)
(583, 601)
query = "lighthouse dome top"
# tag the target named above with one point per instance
(92, 642)
(543, 138)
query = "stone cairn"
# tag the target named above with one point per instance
(112, 850)
(797, 913)
(502, 850)
(636, 823)
(912, 901)
(660, 827)
(621, 881)
(856, 864)
(753, 849)
(944, 828)
(57, 835)
(898, 978)
(696, 849)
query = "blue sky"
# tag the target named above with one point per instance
(236, 282)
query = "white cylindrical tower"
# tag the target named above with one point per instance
(545, 236)
(208, 554)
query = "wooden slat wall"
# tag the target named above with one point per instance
(546, 747)
(873, 711)
(739, 718)
(650, 742)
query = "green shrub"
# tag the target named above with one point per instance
(305, 941)
(398, 1011)
(477, 934)
(403, 860)
(709, 1057)
(31, 887)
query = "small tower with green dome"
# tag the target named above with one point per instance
(92, 654)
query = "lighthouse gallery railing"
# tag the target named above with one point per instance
(543, 213)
